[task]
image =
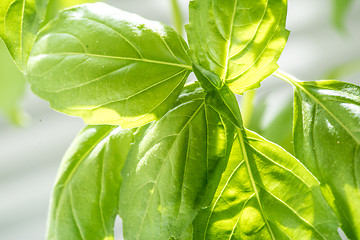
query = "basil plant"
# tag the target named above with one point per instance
(173, 158)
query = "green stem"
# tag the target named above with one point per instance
(286, 77)
(177, 16)
(247, 106)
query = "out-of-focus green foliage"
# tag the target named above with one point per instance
(55, 5)
(12, 86)
(344, 70)
(340, 9)
(279, 128)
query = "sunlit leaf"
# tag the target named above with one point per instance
(265, 193)
(173, 171)
(19, 23)
(240, 41)
(108, 66)
(327, 141)
(85, 198)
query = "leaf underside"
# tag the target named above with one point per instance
(108, 66)
(327, 141)
(239, 40)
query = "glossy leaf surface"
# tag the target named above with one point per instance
(85, 198)
(173, 170)
(327, 140)
(240, 41)
(265, 193)
(108, 66)
(19, 23)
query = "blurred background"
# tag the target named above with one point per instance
(33, 138)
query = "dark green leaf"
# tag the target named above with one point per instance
(327, 140)
(19, 23)
(238, 40)
(174, 169)
(86, 195)
(265, 193)
(108, 66)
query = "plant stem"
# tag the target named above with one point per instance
(247, 106)
(286, 77)
(177, 16)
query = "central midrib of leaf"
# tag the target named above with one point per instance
(21, 28)
(188, 67)
(252, 180)
(295, 83)
(228, 43)
(327, 110)
(159, 173)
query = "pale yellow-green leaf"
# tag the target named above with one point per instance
(239, 40)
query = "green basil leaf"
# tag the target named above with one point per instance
(327, 140)
(174, 170)
(265, 193)
(240, 41)
(108, 66)
(85, 198)
(12, 88)
(19, 23)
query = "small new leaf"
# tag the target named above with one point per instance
(327, 141)
(19, 23)
(108, 66)
(85, 198)
(238, 40)
(265, 193)
(173, 170)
